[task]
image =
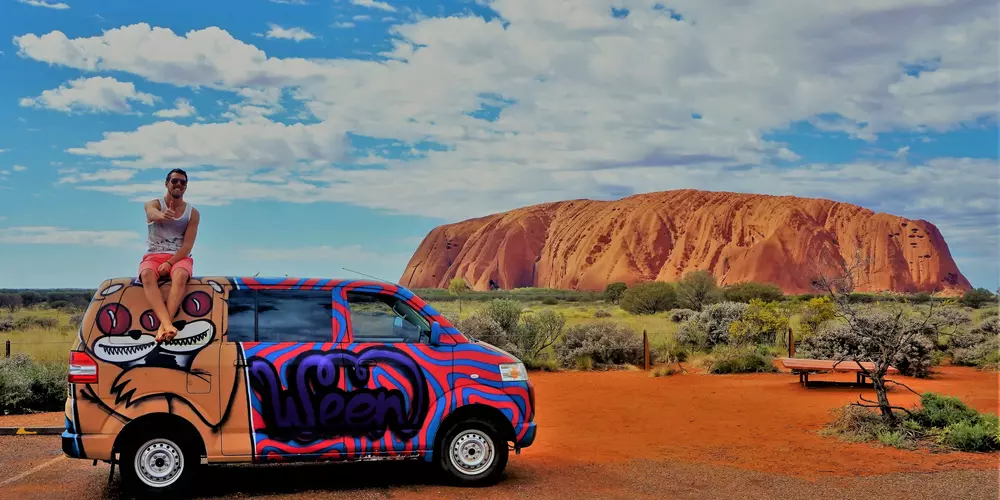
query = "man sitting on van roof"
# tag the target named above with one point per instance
(172, 225)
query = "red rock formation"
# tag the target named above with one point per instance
(585, 244)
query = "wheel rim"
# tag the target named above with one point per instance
(159, 463)
(472, 452)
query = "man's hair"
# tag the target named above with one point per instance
(176, 171)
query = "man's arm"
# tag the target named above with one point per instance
(153, 212)
(189, 236)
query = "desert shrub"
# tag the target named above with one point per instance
(697, 289)
(613, 292)
(602, 313)
(600, 343)
(649, 298)
(75, 320)
(992, 312)
(11, 301)
(28, 386)
(482, 327)
(760, 323)
(536, 333)
(710, 327)
(550, 301)
(977, 435)
(978, 298)
(957, 425)
(26, 322)
(979, 347)
(749, 290)
(816, 311)
(941, 411)
(681, 315)
(836, 340)
(740, 359)
(6, 323)
(506, 312)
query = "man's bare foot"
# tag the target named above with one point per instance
(166, 333)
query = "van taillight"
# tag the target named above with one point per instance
(82, 368)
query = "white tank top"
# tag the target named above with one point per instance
(167, 236)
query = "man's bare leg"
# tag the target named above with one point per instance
(155, 298)
(178, 283)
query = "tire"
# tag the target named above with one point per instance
(472, 453)
(158, 464)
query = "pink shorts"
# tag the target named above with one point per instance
(152, 261)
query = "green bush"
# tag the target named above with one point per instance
(28, 386)
(26, 322)
(760, 323)
(711, 326)
(613, 292)
(537, 332)
(979, 347)
(600, 343)
(697, 289)
(817, 310)
(602, 313)
(506, 312)
(976, 435)
(550, 301)
(978, 298)
(740, 359)
(749, 290)
(942, 411)
(682, 315)
(649, 298)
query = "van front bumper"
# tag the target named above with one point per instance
(526, 436)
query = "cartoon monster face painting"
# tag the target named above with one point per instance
(128, 339)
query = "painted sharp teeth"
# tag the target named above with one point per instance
(119, 350)
(194, 339)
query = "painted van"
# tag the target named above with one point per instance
(284, 370)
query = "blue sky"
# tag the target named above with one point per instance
(327, 134)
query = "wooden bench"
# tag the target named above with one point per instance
(803, 367)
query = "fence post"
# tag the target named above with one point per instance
(6, 349)
(645, 349)
(791, 343)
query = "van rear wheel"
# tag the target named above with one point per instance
(157, 464)
(473, 453)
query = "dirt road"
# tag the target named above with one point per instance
(613, 435)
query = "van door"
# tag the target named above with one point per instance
(293, 372)
(395, 376)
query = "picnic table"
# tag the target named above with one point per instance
(803, 367)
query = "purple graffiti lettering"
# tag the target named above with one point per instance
(307, 403)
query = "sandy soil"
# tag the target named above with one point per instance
(621, 435)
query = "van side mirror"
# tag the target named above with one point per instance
(435, 333)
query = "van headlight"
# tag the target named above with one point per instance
(513, 372)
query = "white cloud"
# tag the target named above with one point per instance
(297, 34)
(20, 168)
(48, 235)
(3, 150)
(374, 4)
(343, 25)
(71, 176)
(361, 18)
(595, 106)
(182, 108)
(43, 3)
(97, 94)
(290, 2)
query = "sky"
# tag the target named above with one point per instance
(328, 137)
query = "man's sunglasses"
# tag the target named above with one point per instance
(182, 182)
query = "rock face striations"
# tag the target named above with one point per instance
(585, 244)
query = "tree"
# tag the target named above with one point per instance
(696, 289)
(977, 298)
(457, 287)
(613, 292)
(649, 298)
(881, 334)
(11, 301)
(539, 331)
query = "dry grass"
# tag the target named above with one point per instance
(43, 344)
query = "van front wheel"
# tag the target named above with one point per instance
(473, 453)
(157, 465)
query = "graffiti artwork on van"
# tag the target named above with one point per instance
(143, 372)
(318, 402)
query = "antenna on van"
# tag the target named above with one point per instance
(369, 276)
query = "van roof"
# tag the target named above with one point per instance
(252, 281)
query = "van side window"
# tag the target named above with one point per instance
(242, 311)
(294, 316)
(382, 318)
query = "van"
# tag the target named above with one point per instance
(288, 370)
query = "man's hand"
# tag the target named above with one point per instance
(163, 269)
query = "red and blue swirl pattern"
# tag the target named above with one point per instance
(405, 381)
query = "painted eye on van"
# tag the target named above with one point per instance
(149, 321)
(197, 304)
(114, 319)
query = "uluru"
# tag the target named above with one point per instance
(587, 244)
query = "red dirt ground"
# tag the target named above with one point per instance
(759, 429)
